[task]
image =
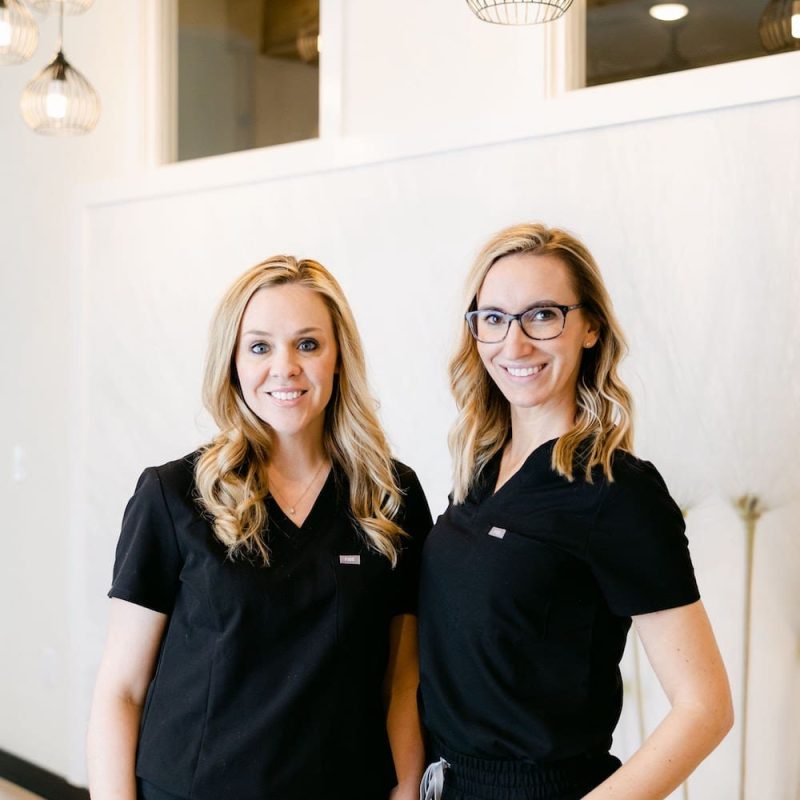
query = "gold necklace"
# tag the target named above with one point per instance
(292, 507)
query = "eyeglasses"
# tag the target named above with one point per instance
(537, 322)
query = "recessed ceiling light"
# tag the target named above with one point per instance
(669, 12)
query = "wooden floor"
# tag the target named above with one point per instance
(10, 792)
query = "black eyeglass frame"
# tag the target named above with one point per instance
(509, 318)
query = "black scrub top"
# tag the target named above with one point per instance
(526, 598)
(268, 682)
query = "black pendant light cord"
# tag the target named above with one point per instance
(60, 62)
(61, 26)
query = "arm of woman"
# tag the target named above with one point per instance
(402, 714)
(134, 636)
(680, 646)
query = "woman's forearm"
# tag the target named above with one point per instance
(111, 747)
(134, 636)
(405, 740)
(668, 756)
(402, 715)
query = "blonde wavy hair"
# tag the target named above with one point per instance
(604, 418)
(229, 473)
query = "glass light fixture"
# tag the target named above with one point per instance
(19, 33)
(668, 12)
(59, 101)
(55, 6)
(779, 26)
(518, 12)
(308, 44)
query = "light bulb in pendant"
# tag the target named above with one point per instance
(19, 33)
(668, 12)
(5, 28)
(55, 104)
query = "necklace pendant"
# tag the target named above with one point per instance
(291, 511)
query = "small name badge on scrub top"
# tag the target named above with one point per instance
(498, 533)
(349, 559)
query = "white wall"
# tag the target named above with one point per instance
(418, 66)
(39, 245)
(699, 256)
(694, 209)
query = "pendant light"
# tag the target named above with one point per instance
(518, 12)
(308, 44)
(59, 101)
(779, 26)
(69, 6)
(19, 33)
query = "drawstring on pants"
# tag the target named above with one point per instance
(432, 782)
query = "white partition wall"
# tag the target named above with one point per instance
(700, 258)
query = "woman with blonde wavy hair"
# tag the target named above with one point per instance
(555, 539)
(262, 634)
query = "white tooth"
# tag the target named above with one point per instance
(286, 395)
(524, 372)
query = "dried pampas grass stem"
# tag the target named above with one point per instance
(750, 510)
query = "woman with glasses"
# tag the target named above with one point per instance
(556, 537)
(262, 638)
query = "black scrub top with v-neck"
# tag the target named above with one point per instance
(526, 598)
(268, 682)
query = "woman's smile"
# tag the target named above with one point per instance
(523, 372)
(286, 396)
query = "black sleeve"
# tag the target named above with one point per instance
(638, 549)
(416, 522)
(148, 561)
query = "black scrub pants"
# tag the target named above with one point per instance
(469, 778)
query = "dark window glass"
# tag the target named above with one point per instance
(248, 74)
(623, 39)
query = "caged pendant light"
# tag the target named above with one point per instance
(518, 12)
(779, 26)
(19, 33)
(59, 101)
(55, 6)
(308, 44)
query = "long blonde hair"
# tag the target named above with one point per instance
(604, 417)
(229, 473)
